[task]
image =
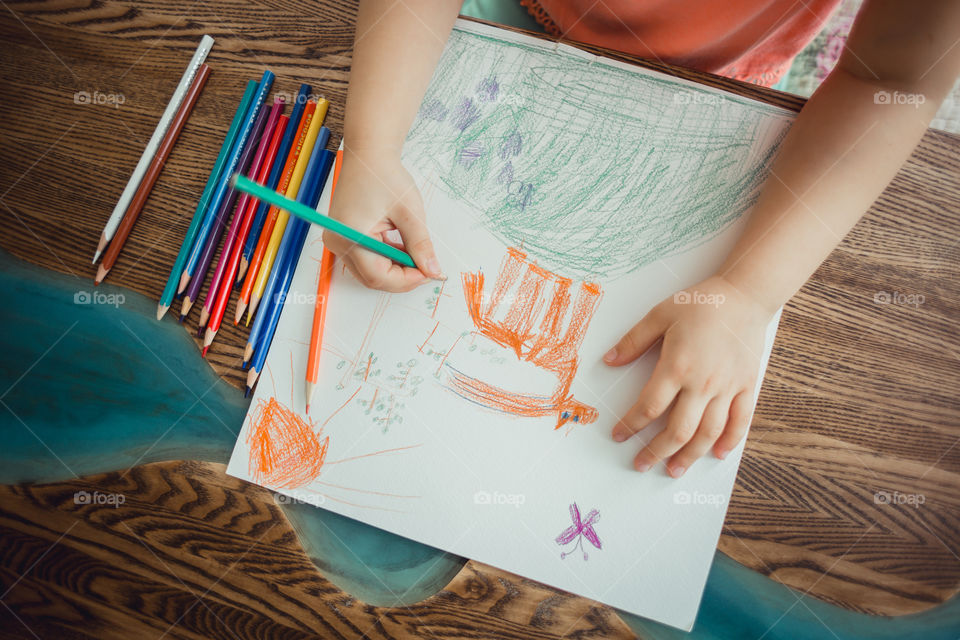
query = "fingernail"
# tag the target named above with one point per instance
(433, 266)
(676, 472)
(722, 453)
(619, 434)
(610, 355)
(642, 466)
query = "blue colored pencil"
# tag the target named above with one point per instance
(224, 186)
(302, 227)
(272, 181)
(304, 195)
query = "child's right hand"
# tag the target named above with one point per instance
(375, 194)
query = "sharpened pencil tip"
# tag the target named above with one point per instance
(308, 409)
(96, 257)
(246, 392)
(182, 317)
(161, 311)
(101, 274)
(203, 352)
(244, 365)
(184, 281)
(200, 331)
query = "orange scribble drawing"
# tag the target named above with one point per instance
(534, 293)
(285, 453)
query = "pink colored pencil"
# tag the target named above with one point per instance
(237, 221)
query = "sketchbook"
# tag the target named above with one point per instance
(567, 194)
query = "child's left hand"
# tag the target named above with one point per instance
(713, 338)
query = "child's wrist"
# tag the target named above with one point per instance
(765, 298)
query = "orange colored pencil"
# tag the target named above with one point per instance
(271, 218)
(320, 303)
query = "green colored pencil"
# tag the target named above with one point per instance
(246, 185)
(166, 298)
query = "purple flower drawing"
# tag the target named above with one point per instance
(579, 530)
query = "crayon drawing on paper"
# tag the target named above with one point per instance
(566, 195)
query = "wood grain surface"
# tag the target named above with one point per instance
(859, 409)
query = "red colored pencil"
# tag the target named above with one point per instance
(223, 295)
(153, 172)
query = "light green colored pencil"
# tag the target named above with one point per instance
(246, 185)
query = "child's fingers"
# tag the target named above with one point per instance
(636, 341)
(654, 399)
(416, 242)
(378, 272)
(741, 410)
(711, 426)
(681, 425)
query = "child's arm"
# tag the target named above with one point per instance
(845, 146)
(396, 48)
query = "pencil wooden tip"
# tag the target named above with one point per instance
(252, 378)
(204, 316)
(242, 271)
(252, 309)
(308, 394)
(161, 311)
(241, 307)
(208, 337)
(247, 352)
(184, 281)
(185, 307)
(101, 274)
(101, 245)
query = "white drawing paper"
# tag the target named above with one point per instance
(566, 194)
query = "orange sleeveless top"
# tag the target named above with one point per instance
(751, 40)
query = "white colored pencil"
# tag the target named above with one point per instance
(199, 56)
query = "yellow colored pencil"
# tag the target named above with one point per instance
(282, 216)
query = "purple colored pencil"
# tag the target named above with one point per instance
(246, 156)
(237, 221)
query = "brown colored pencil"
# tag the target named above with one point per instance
(153, 172)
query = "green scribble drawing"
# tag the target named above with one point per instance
(595, 180)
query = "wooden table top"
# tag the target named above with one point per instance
(861, 400)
